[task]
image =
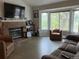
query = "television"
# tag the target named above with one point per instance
(14, 11)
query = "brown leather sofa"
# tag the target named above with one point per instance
(73, 38)
(56, 34)
(6, 46)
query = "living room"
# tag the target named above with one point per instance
(39, 29)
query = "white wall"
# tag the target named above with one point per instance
(22, 3)
(28, 12)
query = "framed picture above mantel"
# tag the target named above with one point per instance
(35, 13)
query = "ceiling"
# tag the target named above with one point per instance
(41, 2)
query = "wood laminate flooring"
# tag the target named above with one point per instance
(34, 48)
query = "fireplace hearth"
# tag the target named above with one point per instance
(16, 32)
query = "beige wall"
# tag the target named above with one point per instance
(28, 13)
(22, 3)
(57, 5)
(1, 7)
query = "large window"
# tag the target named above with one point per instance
(54, 21)
(60, 20)
(76, 21)
(64, 21)
(44, 21)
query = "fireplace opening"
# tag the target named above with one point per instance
(16, 32)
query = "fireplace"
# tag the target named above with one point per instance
(16, 32)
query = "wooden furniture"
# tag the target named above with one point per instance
(56, 35)
(31, 28)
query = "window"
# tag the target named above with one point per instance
(44, 21)
(54, 21)
(60, 20)
(64, 21)
(76, 21)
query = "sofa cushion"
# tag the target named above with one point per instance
(68, 47)
(70, 42)
(71, 48)
(63, 46)
(54, 33)
(67, 55)
(56, 52)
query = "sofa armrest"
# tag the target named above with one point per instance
(6, 38)
(49, 57)
(2, 50)
(73, 37)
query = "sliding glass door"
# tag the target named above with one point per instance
(44, 21)
(44, 24)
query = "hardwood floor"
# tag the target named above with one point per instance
(34, 48)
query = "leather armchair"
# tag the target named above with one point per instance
(56, 35)
(6, 46)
